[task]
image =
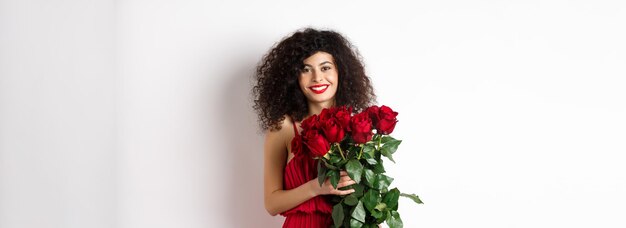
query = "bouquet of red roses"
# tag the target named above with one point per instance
(356, 144)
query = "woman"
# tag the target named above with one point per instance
(301, 75)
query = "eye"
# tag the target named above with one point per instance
(305, 70)
(325, 68)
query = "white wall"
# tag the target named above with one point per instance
(137, 113)
(57, 114)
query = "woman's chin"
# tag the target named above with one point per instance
(321, 101)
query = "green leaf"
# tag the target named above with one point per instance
(380, 220)
(377, 214)
(334, 159)
(338, 214)
(341, 163)
(334, 177)
(355, 223)
(391, 198)
(386, 215)
(369, 151)
(329, 165)
(321, 173)
(379, 168)
(353, 151)
(389, 148)
(371, 161)
(350, 200)
(394, 220)
(355, 170)
(359, 212)
(358, 190)
(382, 181)
(386, 139)
(392, 145)
(371, 199)
(370, 177)
(414, 197)
(380, 206)
(387, 153)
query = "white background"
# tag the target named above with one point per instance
(138, 113)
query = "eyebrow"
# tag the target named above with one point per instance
(320, 63)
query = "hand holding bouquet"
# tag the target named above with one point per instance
(356, 144)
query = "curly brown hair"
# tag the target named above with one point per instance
(277, 92)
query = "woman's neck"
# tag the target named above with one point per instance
(316, 108)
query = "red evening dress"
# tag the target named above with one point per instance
(315, 212)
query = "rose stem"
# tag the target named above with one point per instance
(360, 153)
(340, 151)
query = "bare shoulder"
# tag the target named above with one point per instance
(277, 149)
(282, 135)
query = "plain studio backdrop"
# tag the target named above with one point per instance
(138, 114)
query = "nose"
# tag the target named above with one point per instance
(317, 76)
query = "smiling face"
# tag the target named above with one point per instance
(319, 79)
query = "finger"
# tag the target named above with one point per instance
(343, 173)
(343, 192)
(344, 179)
(346, 183)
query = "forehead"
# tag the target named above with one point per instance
(318, 58)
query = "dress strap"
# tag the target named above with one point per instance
(295, 129)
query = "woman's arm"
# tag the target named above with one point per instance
(277, 199)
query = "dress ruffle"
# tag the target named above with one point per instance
(314, 205)
(298, 171)
(315, 212)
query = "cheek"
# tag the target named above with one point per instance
(301, 81)
(335, 83)
(335, 79)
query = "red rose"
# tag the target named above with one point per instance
(373, 113)
(325, 115)
(310, 124)
(333, 130)
(296, 145)
(317, 144)
(386, 120)
(361, 125)
(343, 117)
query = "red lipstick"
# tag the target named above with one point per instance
(319, 89)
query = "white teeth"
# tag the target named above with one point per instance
(319, 88)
